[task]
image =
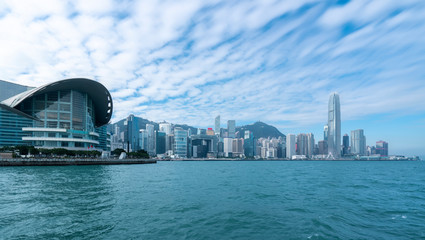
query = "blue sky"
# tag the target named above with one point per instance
(274, 61)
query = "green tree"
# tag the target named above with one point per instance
(117, 151)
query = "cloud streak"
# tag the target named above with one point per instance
(187, 61)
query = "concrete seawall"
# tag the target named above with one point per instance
(65, 162)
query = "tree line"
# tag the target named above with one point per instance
(24, 150)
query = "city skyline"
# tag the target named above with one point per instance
(275, 62)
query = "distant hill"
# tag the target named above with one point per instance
(260, 130)
(187, 127)
(142, 125)
(141, 121)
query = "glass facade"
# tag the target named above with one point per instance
(180, 142)
(334, 126)
(69, 109)
(66, 121)
(11, 125)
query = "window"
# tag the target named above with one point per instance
(52, 106)
(52, 96)
(40, 115)
(65, 116)
(51, 135)
(65, 96)
(40, 97)
(39, 105)
(52, 115)
(64, 125)
(52, 124)
(51, 144)
(65, 107)
(38, 134)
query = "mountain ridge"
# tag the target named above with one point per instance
(259, 129)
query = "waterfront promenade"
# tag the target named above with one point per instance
(65, 162)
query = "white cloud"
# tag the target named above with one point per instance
(186, 62)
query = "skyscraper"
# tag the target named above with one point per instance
(217, 125)
(358, 142)
(180, 142)
(231, 128)
(165, 127)
(310, 144)
(249, 144)
(382, 148)
(345, 144)
(323, 147)
(334, 126)
(151, 139)
(290, 145)
(302, 144)
(228, 147)
(160, 138)
(143, 139)
(132, 134)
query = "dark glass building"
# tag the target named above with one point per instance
(345, 144)
(382, 148)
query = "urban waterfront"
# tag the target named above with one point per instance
(215, 200)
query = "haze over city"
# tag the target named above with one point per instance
(274, 61)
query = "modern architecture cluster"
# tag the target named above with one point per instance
(302, 146)
(74, 114)
(181, 141)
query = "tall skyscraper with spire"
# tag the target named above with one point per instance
(334, 126)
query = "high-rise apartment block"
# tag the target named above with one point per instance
(290, 146)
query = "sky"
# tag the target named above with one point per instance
(273, 61)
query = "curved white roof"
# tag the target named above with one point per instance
(98, 93)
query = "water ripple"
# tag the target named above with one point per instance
(215, 200)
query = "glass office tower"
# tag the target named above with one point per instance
(334, 126)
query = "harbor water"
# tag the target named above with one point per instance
(215, 200)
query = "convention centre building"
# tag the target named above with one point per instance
(70, 113)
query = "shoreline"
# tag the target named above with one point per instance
(287, 160)
(69, 162)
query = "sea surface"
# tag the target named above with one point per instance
(215, 200)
